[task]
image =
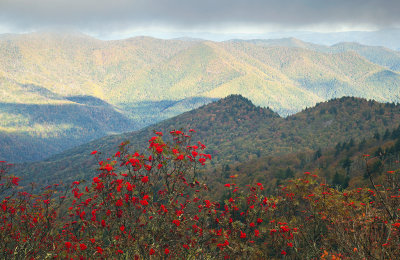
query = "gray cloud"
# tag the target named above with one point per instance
(188, 14)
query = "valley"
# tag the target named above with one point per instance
(125, 85)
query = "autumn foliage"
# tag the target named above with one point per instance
(153, 205)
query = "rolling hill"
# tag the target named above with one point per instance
(144, 80)
(235, 130)
(377, 54)
(32, 131)
(342, 165)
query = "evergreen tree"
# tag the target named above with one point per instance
(379, 152)
(289, 173)
(362, 144)
(386, 135)
(318, 154)
(340, 180)
(397, 145)
(396, 133)
(351, 143)
(346, 164)
(338, 149)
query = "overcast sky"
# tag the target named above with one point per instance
(123, 17)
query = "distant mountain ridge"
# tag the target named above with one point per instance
(377, 54)
(36, 131)
(145, 80)
(390, 37)
(235, 130)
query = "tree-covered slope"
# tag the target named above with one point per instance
(342, 165)
(377, 54)
(235, 130)
(36, 131)
(127, 72)
(148, 80)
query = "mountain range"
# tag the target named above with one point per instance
(389, 37)
(62, 90)
(234, 131)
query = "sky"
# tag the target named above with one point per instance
(174, 18)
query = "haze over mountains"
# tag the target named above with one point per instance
(118, 86)
(389, 37)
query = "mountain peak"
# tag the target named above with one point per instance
(236, 98)
(237, 103)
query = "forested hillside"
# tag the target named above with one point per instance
(143, 80)
(236, 131)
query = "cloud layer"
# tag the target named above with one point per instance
(188, 14)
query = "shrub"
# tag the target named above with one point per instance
(152, 205)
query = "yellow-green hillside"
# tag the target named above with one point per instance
(144, 80)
